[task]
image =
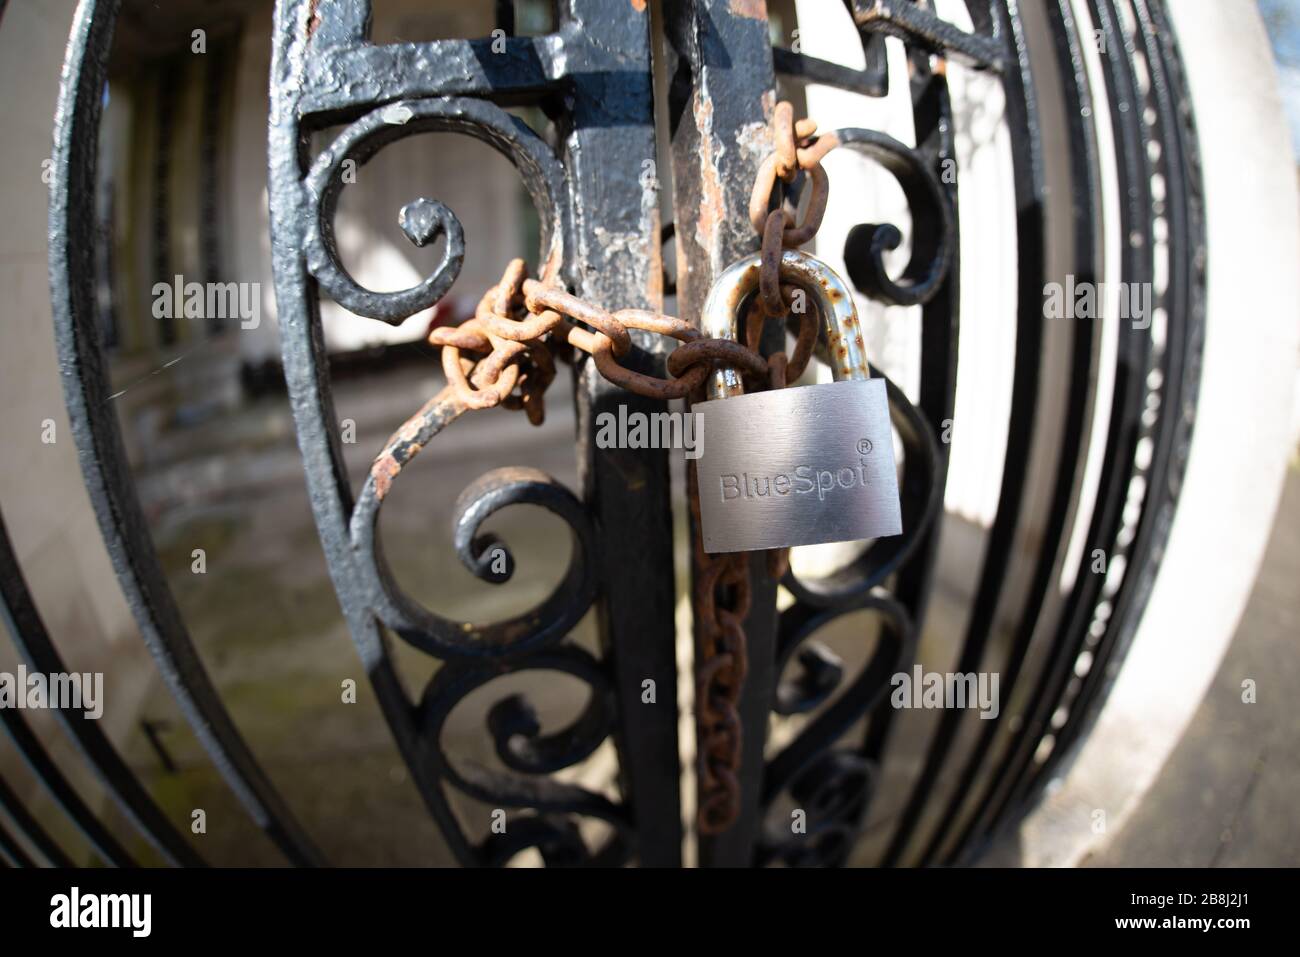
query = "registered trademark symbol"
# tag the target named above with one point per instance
(864, 446)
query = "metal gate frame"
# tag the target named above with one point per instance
(592, 77)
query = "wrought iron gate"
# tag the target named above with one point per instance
(592, 78)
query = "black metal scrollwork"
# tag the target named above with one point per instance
(474, 656)
(423, 220)
(829, 785)
(530, 755)
(544, 625)
(512, 643)
(932, 228)
(914, 24)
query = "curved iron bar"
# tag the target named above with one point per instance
(871, 80)
(1133, 350)
(797, 626)
(11, 852)
(835, 782)
(479, 655)
(1144, 371)
(33, 643)
(31, 827)
(1178, 364)
(833, 792)
(57, 786)
(1022, 118)
(99, 443)
(556, 839)
(919, 27)
(933, 121)
(1084, 177)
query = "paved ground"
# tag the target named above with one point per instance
(1227, 795)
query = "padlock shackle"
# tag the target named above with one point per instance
(832, 299)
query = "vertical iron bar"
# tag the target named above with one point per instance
(609, 153)
(721, 96)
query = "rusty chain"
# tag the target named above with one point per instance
(522, 325)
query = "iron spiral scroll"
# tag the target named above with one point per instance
(592, 76)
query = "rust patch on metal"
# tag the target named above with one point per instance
(383, 472)
(713, 198)
(750, 9)
(551, 268)
(408, 431)
(654, 282)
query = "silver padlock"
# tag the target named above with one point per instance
(803, 465)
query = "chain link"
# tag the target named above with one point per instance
(522, 325)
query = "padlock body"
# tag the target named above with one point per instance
(798, 466)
